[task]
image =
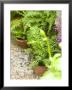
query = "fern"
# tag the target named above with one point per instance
(39, 44)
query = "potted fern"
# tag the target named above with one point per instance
(42, 49)
(38, 41)
(21, 40)
(17, 30)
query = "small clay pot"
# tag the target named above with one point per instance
(39, 70)
(22, 43)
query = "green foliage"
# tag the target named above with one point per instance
(54, 45)
(37, 27)
(54, 71)
(42, 19)
(17, 28)
(16, 14)
(39, 43)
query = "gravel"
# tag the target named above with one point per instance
(19, 61)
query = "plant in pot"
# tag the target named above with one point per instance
(18, 31)
(40, 50)
(21, 40)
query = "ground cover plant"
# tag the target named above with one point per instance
(38, 28)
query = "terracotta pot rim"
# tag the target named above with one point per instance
(20, 39)
(23, 40)
(40, 66)
(22, 43)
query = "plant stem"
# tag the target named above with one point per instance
(49, 51)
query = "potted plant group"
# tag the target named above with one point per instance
(35, 29)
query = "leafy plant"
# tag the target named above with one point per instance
(40, 45)
(17, 29)
(54, 71)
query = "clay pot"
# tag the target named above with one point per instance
(39, 70)
(22, 43)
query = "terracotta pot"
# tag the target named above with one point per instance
(39, 70)
(22, 43)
